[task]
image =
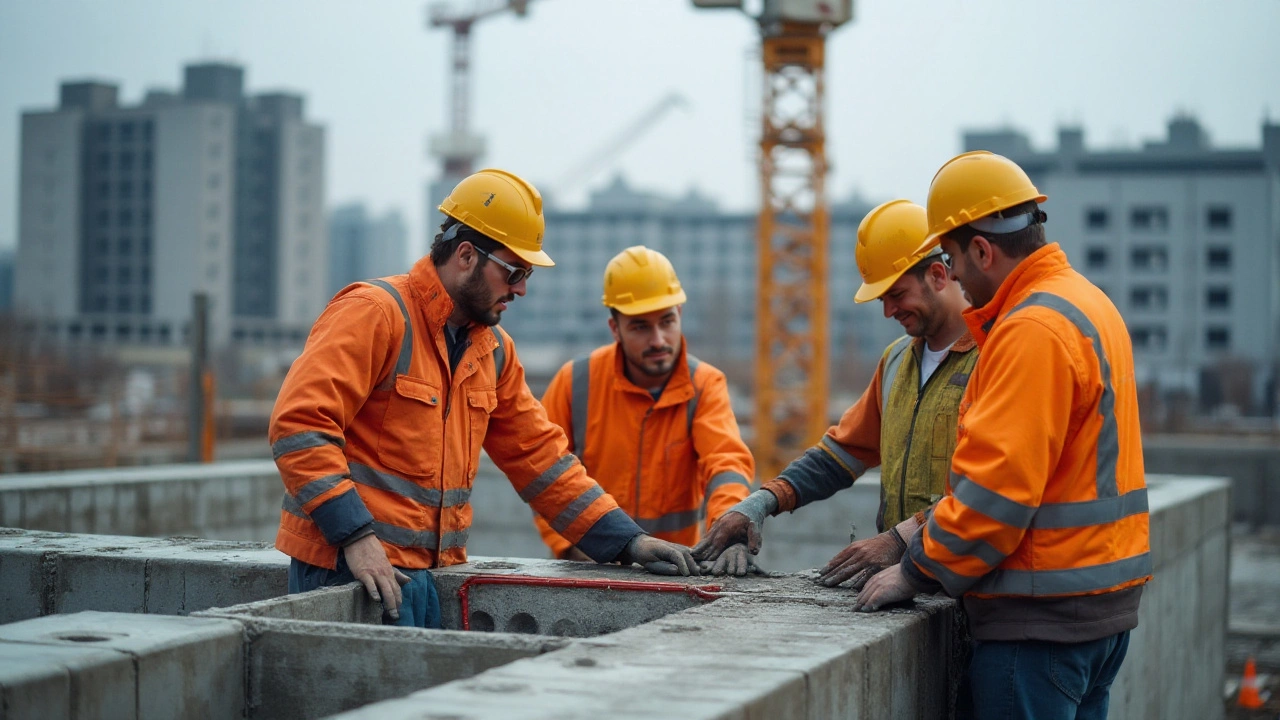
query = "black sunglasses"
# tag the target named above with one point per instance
(516, 273)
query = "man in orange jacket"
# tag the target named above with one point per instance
(1045, 532)
(378, 427)
(905, 421)
(650, 421)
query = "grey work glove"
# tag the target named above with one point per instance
(735, 560)
(659, 556)
(740, 525)
(864, 558)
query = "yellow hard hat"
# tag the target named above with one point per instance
(889, 240)
(502, 206)
(972, 186)
(639, 280)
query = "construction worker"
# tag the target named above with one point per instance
(1045, 532)
(378, 428)
(650, 421)
(905, 421)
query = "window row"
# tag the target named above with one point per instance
(124, 130)
(1156, 338)
(1153, 258)
(1155, 218)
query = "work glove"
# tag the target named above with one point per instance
(886, 587)
(735, 560)
(864, 558)
(659, 556)
(740, 525)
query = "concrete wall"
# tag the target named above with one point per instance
(1252, 465)
(768, 647)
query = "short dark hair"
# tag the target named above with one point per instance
(921, 268)
(1017, 244)
(442, 250)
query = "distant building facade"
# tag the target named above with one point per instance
(714, 253)
(363, 247)
(1185, 239)
(125, 211)
(6, 280)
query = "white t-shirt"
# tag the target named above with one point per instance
(930, 362)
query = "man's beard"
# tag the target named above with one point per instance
(476, 302)
(660, 369)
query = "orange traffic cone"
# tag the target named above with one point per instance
(1249, 697)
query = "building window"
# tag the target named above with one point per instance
(124, 304)
(1219, 258)
(1217, 298)
(1149, 218)
(126, 161)
(126, 190)
(124, 275)
(1149, 337)
(104, 190)
(1149, 297)
(125, 218)
(124, 246)
(1149, 258)
(104, 131)
(147, 130)
(126, 130)
(144, 304)
(1096, 218)
(1218, 217)
(123, 332)
(1217, 338)
(1095, 258)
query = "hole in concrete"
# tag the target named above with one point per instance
(585, 662)
(564, 627)
(522, 622)
(496, 565)
(482, 621)
(502, 687)
(80, 637)
(681, 629)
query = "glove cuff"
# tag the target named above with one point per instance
(897, 538)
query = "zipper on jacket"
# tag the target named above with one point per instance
(906, 453)
(640, 456)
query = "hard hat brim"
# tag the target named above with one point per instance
(872, 291)
(537, 258)
(642, 307)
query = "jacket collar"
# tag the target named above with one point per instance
(429, 293)
(964, 343)
(1034, 268)
(679, 386)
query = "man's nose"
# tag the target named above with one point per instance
(520, 287)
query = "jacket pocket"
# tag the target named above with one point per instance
(942, 444)
(677, 483)
(480, 406)
(411, 434)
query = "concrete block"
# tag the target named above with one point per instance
(187, 582)
(72, 681)
(107, 577)
(24, 584)
(343, 604)
(45, 510)
(186, 667)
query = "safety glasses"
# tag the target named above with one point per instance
(516, 273)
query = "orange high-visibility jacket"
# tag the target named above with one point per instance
(668, 462)
(1045, 531)
(372, 427)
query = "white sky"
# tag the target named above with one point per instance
(902, 81)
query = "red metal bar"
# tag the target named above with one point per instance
(704, 592)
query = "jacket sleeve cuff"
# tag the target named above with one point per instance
(786, 495)
(341, 517)
(815, 476)
(609, 536)
(921, 582)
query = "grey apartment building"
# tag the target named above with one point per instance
(714, 253)
(1185, 239)
(364, 246)
(125, 211)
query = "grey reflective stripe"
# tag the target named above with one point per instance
(1102, 511)
(854, 465)
(691, 407)
(954, 583)
(669, 522)
(303, 441)
(429, 539)
(547, 478)
(980, 549)
(499, 354)
(562, 521)
(991, 503)
(728, 477)
(369, 477)
(292, 507)
(406, 345)
(1108, 447)
(580, 382)
(897, 351)
(315, 488)
(1064, 582)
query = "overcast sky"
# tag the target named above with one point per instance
(902, 82)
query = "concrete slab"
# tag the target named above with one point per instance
(51, 683)
(186, 667)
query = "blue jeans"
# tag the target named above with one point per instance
(1045, 680)
(420, 603)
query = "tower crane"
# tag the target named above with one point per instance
(585, 169)
(793, 228)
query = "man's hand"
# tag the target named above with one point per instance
(741, 524)
(368, 562)
(735, 560)
(888, 586)
(660, 557)
(862, 559)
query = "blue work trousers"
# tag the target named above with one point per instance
(1045, 680)
(420, 603)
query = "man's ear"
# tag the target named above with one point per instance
(984, 252)
(465, 255)
(938, 274)
(613, 328)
